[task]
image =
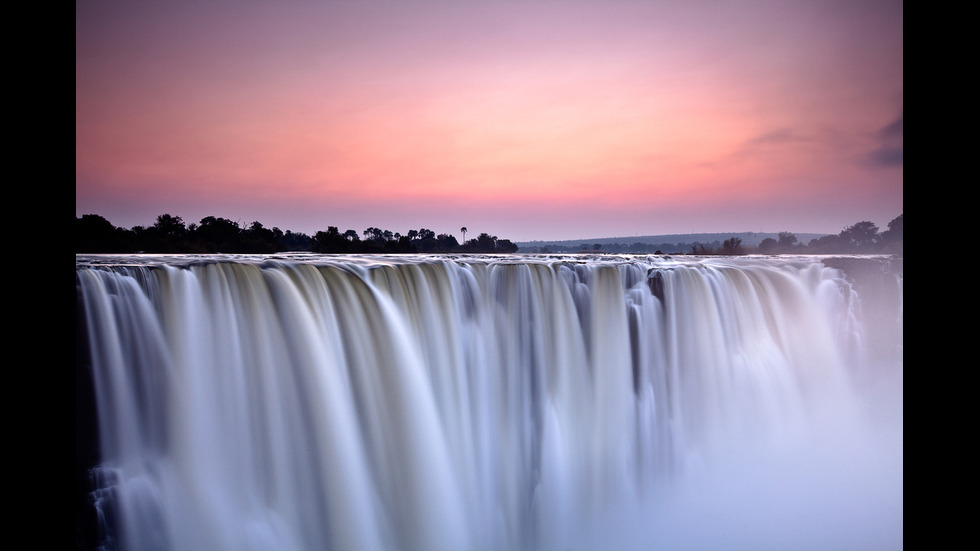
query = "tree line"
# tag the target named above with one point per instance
(169, 234)
(862, 237)
(95, 234)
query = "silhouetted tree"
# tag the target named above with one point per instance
(330, 241)
(259, 239)
(94, 234)
(892, 239)
(860, 236)
(768, 245)
(506, 246)
(484, 243)
(894, 231)
(167, 235)
(297, 241)
(732, 245)
(427, 242)
(786, 240)
(217, 235)
(170, 226)
(825, 244)
(446, 242)
(400, 245)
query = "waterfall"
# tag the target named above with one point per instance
(492, 403)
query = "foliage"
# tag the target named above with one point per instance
(95, 234)
(732, 246)
(862, 237)
(786, 240)
(768, 245)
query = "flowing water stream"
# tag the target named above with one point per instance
(493, 403)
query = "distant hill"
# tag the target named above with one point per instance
(668, 243)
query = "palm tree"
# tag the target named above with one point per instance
(463, 229)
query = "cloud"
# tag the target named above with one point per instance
(888, 156)
(762, 146)
(780, 136)
(894, 129)
(891, 151)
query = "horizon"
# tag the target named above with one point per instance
(187, 223)
(671, 235)
(536, 121)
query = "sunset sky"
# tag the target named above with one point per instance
(524, 119)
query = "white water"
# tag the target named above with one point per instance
(496, 404)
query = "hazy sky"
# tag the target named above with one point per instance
(522, 119)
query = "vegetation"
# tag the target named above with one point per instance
(95, 234)
(862, 237)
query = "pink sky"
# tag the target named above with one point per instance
(525, 120)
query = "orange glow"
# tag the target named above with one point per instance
(612, 112)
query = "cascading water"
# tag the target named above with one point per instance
(492, 403)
